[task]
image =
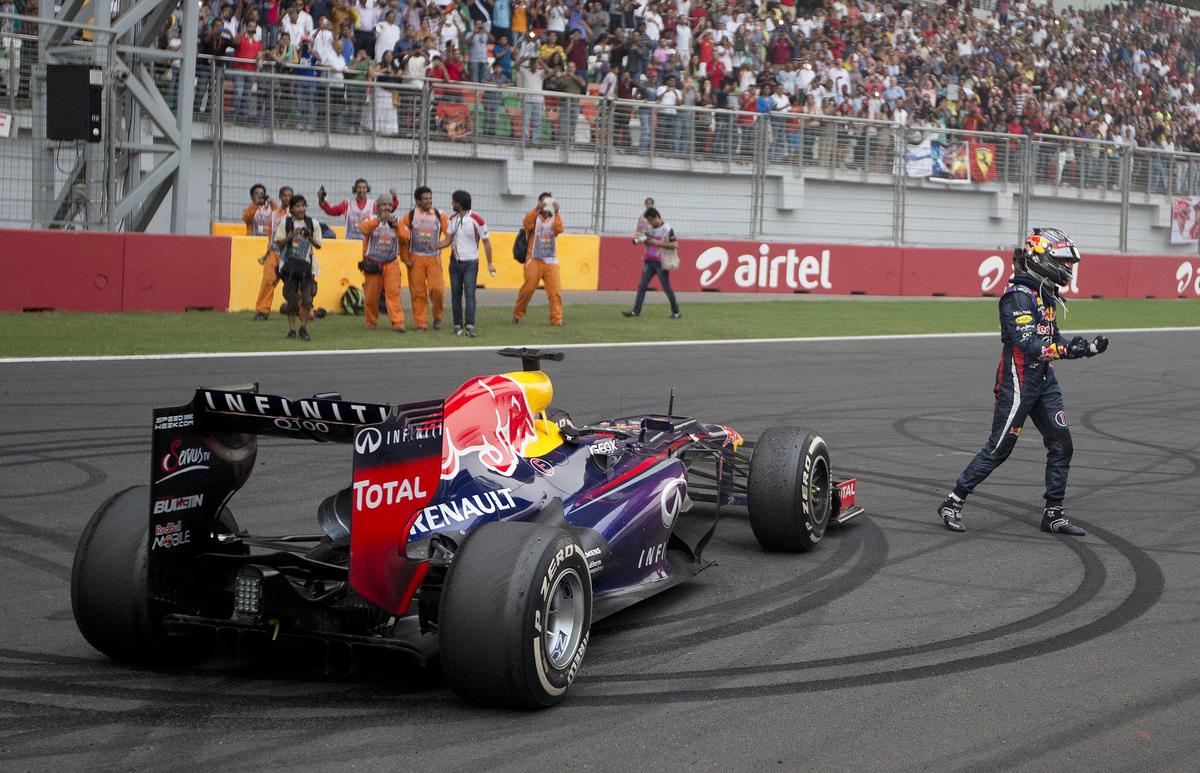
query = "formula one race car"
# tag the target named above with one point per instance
(484, 528)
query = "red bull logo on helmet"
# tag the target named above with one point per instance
(492, 417)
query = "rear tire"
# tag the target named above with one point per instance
(110, 585)
(790, 489)
(515, 615)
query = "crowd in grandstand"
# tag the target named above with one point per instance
(1126, 74)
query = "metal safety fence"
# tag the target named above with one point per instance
(718, 173)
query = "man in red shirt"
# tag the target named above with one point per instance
(249, 54)
(357, 210)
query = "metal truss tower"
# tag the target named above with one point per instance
(120, 182)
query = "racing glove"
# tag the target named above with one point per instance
(1098, 345)
(1078, 347)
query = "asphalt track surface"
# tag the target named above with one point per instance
(896, 645)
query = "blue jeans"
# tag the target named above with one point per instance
(531, 120)
(463, 274)
(243, 105)
(649, 269)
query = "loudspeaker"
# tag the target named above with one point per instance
(74, 96)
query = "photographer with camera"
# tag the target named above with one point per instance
(659, 260)
(297, 236)
(542, 226)
(380, 266)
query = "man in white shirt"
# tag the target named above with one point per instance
(653, 20)
(463, 236)
(556, 17)
(779, 109)
(368, 15)
(668, 119)
(531, 75)
(387, 35)
(298, 24)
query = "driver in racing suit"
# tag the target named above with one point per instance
(1025, 383)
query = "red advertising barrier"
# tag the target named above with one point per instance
(61, 270)
(843, 269)
(111, 272)
(985, 272)
(1157, 276)
(766, 267)
(173, 273)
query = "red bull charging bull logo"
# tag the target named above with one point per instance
(493, 417)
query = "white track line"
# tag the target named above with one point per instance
(543, 345)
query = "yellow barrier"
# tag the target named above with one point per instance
(578, 257)
(239, 229)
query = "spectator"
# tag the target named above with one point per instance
(478, 42)
(249, 53)
(422, 230)
(297, 236)
(502, 24)
(542, 225)
(576, 51)
(366, 16)
(383, 77)
(297, 23)
(531, 76)
(491, 98)
(380, 267)
(270, 259)
(502, 54)
(464, 234)
(574, 85)
(387, 34)
(668, 97)
(660, 236)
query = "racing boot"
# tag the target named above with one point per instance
(1055, 522)
(951, 512)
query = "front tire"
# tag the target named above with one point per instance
(515, 615)
(790, 489)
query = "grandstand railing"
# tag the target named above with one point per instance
(350, 113)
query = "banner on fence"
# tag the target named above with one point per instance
(1185, 219)
(849, 269)
(918, 161)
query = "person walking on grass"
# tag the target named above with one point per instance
(466, 232)
(660, 238)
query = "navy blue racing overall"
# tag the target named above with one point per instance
(1026, 388)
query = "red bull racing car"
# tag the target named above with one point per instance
(486, 529)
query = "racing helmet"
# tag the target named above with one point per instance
(1048, 254)
(353, 301)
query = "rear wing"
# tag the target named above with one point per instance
(323, 417)
(204, 451)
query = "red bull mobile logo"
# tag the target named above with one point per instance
(494, 418)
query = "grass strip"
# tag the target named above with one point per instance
(68, 334)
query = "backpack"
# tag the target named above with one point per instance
(353, 301)
(521, 246)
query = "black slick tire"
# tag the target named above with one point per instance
(790, 489)
(110, 590)
(515, 615)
